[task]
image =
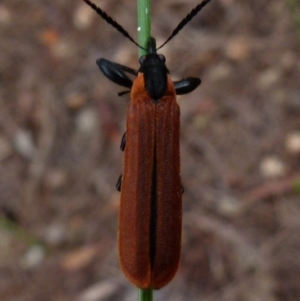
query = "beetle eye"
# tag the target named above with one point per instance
(162, 58)
(142, 59)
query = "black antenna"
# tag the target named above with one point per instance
(187, 19)
(111, 21)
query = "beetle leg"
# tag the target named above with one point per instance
(116, 72)
(119, 183)
(123, 93)
(186, 85)
(123, 142)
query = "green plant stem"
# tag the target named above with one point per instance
(145, 295)
(144, 24)
(144, 33)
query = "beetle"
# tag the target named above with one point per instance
(150, 216)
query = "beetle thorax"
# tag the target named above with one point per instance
(155, 72)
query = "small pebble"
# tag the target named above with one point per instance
(87, 120)
(228, 206)
(272, 167)
(33, 257)
(83, 17)
(292, 143)
(23, 142)
(99, 291)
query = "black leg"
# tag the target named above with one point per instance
(119, 183)
(123, 93)
(186, 85)
(123, 142)
(116, 72)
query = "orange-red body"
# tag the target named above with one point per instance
(151, 205)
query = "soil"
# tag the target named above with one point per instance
(61, 123)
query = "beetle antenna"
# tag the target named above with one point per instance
(186, 20)
(111, 21)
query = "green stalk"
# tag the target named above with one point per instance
(144, 33)
(145, 295)
(144, 24)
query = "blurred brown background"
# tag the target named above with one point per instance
(61, 122)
